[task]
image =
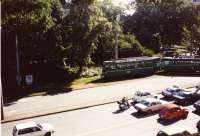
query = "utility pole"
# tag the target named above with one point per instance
(18, 77)
(2, 104)
(116, 46)
(116, 39)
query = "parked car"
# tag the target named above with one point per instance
(178, 131)
(150, 105)
(173, 112)
(139, 96)
(169, 92)
(184, 133)
(198, 126)
(197, 105)
(187, 97)
(33, 129)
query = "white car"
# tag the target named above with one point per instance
(33, 129)
(150, 105)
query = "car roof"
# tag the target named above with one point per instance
(25, 125)
(152, 100)
(170, 106)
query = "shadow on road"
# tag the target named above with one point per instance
(142, 115)
(166, 123)
(118, 111)
(35, 91)
(196, 112)
(179, 73)
(167, 99)
(115, 79)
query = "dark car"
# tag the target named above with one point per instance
(198, 126)
(197, 105)
(178, 131)
(184, 133)
(173, 113)
(169, 92)
(187, 97)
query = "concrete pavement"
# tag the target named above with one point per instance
(43, 105)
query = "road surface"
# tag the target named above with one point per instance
(92, 96)
(105, 121)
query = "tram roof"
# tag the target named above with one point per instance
(143, 58)
(181, 58)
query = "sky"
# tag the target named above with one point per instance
(124, 2)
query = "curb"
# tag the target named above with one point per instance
(61, 110)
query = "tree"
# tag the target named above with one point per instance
(83, 26)
(29, 21)
(164, 17)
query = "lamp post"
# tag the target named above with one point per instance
(2, 103)
(18, 76)
(116, 39)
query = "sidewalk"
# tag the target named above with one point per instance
(92, 96)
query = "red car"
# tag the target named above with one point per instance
(173, 113)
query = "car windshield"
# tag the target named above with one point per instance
(145, 103)
(39, 125)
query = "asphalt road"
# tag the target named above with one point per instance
(105, 121)
(93, 96)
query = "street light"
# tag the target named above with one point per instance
(2, 104)
(116, 39)
(18, 76)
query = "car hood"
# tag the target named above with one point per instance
(46, 126)
(197, 103)
(140, 106)
(179, 96)
(167, 92)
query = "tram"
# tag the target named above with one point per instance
(148, 65)
(131, 66)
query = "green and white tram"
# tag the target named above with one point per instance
(131, 66)
(181, 64)
(148, 65)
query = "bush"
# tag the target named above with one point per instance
(91, 71)
(147, 52)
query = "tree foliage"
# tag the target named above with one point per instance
(83, 26)
(159, 22)
(30, 21)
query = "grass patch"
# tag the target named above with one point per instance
(85, 80)
(37, 93)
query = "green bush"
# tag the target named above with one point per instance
(147, 52)
(91, 71)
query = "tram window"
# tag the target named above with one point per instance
(110, 66)
(167, 62)
(130, 65)
(121, 65)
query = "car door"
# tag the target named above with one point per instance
(176, 112)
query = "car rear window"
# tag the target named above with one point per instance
(25, 131)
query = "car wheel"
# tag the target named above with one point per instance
(48, 134)
(185, 116)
